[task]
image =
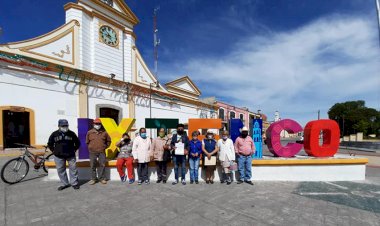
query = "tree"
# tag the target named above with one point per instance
(354, 116)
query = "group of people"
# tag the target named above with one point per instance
(161, 150)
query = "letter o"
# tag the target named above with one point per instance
(331, 134)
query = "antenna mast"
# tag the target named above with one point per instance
(156, 41)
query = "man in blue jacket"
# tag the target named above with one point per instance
(64, 143)
(179, 159)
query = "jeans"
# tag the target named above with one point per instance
(244, 166)
(142, 171)
(94, 159)
(60, 164)
(179, 160)
(161, 170)
(194, 166)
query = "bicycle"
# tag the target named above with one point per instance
(16, 169)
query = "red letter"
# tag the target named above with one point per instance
(330, 138)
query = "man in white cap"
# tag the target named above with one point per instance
(244, 149)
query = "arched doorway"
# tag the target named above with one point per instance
(17, 126)
(109, 111)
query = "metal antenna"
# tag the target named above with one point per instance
(156, 41)
(378, 20)
(378, 15)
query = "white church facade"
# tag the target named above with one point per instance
(89, 67)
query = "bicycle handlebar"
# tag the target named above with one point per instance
(24, 145)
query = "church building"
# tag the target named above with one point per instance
(87, 68)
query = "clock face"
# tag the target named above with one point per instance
(108, 36)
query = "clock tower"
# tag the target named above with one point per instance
(106, 38)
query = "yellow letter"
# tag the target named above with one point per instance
(115, 132)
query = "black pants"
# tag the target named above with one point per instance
(161, 170)
(94, 159)
(142, 171)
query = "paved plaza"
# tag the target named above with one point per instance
(36, 202)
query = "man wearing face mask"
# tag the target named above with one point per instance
(244, 149)
(226, 156)
(141, 151)
(160, 146)
(64, 143)
(180, 160)
(97, 140)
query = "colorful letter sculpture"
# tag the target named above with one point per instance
(84, 125)
(257, 126)
(312, 133)
(235, 126)
(274, 140)
(331, 135)
(196, 124)
(157, 123)
(115, 132)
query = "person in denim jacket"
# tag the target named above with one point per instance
(195, 151)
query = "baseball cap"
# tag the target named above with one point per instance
(63, 122)
(210, 131)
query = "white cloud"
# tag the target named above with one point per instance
(330, 60)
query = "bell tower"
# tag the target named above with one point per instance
(106, 36)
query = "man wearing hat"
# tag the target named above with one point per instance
(97, 140)
(244, 149)
(64, 143)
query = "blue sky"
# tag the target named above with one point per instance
(295, 56)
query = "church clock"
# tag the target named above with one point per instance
(108, 36)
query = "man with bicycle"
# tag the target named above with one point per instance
(64, 143)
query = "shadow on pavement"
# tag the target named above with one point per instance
(357, 195)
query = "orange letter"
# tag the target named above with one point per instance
(196, 124)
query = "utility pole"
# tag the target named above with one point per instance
(343, 125)
(319, 114)
(378, 16)
(156, 41)
(378, 20)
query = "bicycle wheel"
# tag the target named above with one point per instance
(14, 170)
(49, 157)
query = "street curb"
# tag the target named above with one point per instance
(373, 166)
(9, 155)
